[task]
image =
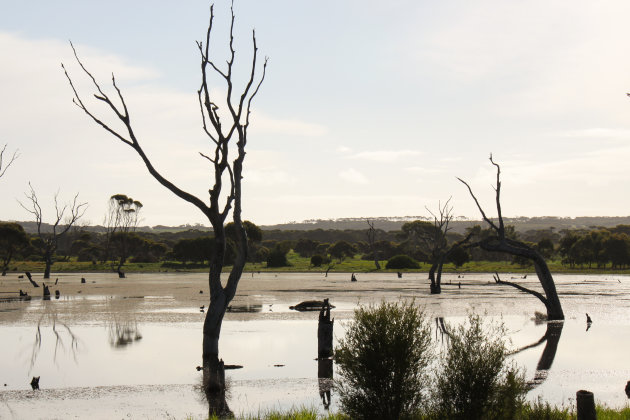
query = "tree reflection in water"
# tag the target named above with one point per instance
(324, 380)
(122, 327)
(65, 339)
(551, 338)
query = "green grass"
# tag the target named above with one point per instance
(300, 264)
(532, 411)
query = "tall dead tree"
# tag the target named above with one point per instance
(499, 242)
(224, 194)
(66, 216)
(4, 164)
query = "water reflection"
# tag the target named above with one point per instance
(325, 380)
(216, 397)
(65, 338)
(248, 308)
(551, 338)
(122, 327)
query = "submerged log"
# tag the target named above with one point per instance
(309, 305)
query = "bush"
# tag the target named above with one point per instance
(382, 361)
(277, 258)
(474, 381)
(317, 260)
(402, 261)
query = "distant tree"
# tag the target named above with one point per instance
(254, 236)
(121, 221)
(546, 248)
(306, 247)
(13, 239)
(66, 216)
(4, 165)
(341, 250)
(262, 253)
(398, 262)
(459, 256)
(371, 238)
(277, 258)
(317, 260)
(617, 250)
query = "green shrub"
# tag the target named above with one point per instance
(383, 360)
(277, 258)
(474, 381)
(402, 261)
(317, 260)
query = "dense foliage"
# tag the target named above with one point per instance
(383, 361)
(595, 248)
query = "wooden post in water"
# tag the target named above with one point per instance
(325, 332)
(585, 401)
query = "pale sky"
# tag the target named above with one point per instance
(369, 108)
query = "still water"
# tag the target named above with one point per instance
(130, 349)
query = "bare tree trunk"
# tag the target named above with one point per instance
(49, 262)
(227, 178)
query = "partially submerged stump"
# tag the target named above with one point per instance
(35, 382)
(325, 332)
(585, 403)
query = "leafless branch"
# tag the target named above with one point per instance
(540, 296)
(4, 166)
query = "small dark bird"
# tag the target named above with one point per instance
(35, 383)
(201, 308)
(82, 280)
(201, 292)
(588, 319)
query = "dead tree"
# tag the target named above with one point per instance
(225, 137)
(437, 244)
(4, 165)
(498, 242)
(49, 240)
(371, 237)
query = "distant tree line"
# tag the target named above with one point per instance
(596, 247)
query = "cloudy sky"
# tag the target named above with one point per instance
(369, 108)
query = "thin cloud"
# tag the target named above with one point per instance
(386, 155)
(353, 176)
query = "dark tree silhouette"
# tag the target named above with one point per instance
(65, 218)
(12, 240)
(121, 221)
(4, 165)
(499, 242)
(371, 237)
(224, 194)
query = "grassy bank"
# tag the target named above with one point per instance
(300, 264)
(531, 411)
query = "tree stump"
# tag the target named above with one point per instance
(325, 332)
(585, 401)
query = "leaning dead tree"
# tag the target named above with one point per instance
(499, 242)
(66, 216)
(4, 164)
(225, 137)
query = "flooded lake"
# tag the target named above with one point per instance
(128, 348)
